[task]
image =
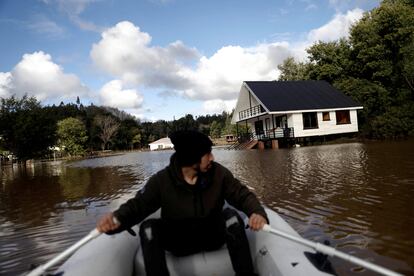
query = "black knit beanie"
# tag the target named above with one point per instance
(190, 146)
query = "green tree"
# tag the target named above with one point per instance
(290, 70)
(215, 129)
(72, 136)
(382, 54)
(151, 138)
(185, 123)
(371, 95)
(26, 129)
(160, 129)
(137, 140)
(127, 130)
(329, 60)
(93, 131)
(396, 122)
(228, 127)
(383, 45)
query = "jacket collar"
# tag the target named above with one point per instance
(204, 179)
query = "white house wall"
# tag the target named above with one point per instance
(295, 120)
(290, 120)
(324, 127)
(161, 146)
(243, 103)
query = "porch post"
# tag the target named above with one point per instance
(273, 123)
(275, 144)
(261, 145)
(247, 131)
(250, 104)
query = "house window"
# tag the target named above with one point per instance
(342, 117)
(310, 120)
(325, 116)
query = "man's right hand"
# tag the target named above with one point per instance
(107, 223)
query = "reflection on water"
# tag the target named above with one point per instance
(357, 196)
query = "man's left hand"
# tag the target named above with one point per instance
(256, 222)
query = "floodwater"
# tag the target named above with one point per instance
(359, 196)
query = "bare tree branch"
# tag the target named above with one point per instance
(109, 126)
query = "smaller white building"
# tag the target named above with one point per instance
(161, 144)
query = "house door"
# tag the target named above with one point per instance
(281, 121)
(258, 127)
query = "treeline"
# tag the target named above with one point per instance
(29, 130)
(375, 66)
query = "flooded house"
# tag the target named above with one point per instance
(161, 144)
(291, 112)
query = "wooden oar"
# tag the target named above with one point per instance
(42, 268)
(330, 251)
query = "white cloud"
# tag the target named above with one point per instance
(221, 75)
(337, 28)
(112, 94)
(218, 105)
(311, 7)
(73, 9)
(37, 75)
(283, 11)
(343, 5)
(5, 84)
(125, 52)
(74, 6)
(42, 25)
(85, 25)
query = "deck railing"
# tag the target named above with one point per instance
(276, 133)
(245, 138)
(251, 112)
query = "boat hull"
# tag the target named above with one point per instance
(121, 254)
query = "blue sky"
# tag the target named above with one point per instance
(158, 59)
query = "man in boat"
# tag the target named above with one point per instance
(191, 192)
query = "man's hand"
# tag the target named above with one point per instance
(107, 223)
(256, 222)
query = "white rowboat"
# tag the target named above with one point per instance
(121, 254)
(283, 252)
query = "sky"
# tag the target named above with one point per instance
(159, 59)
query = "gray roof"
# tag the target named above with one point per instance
(299, 95)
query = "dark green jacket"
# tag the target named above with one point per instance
(184, 203)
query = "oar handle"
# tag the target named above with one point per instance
(330, 251)
(42, 268)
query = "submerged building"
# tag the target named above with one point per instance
(292, 110)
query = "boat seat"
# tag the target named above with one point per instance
(204, 263)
